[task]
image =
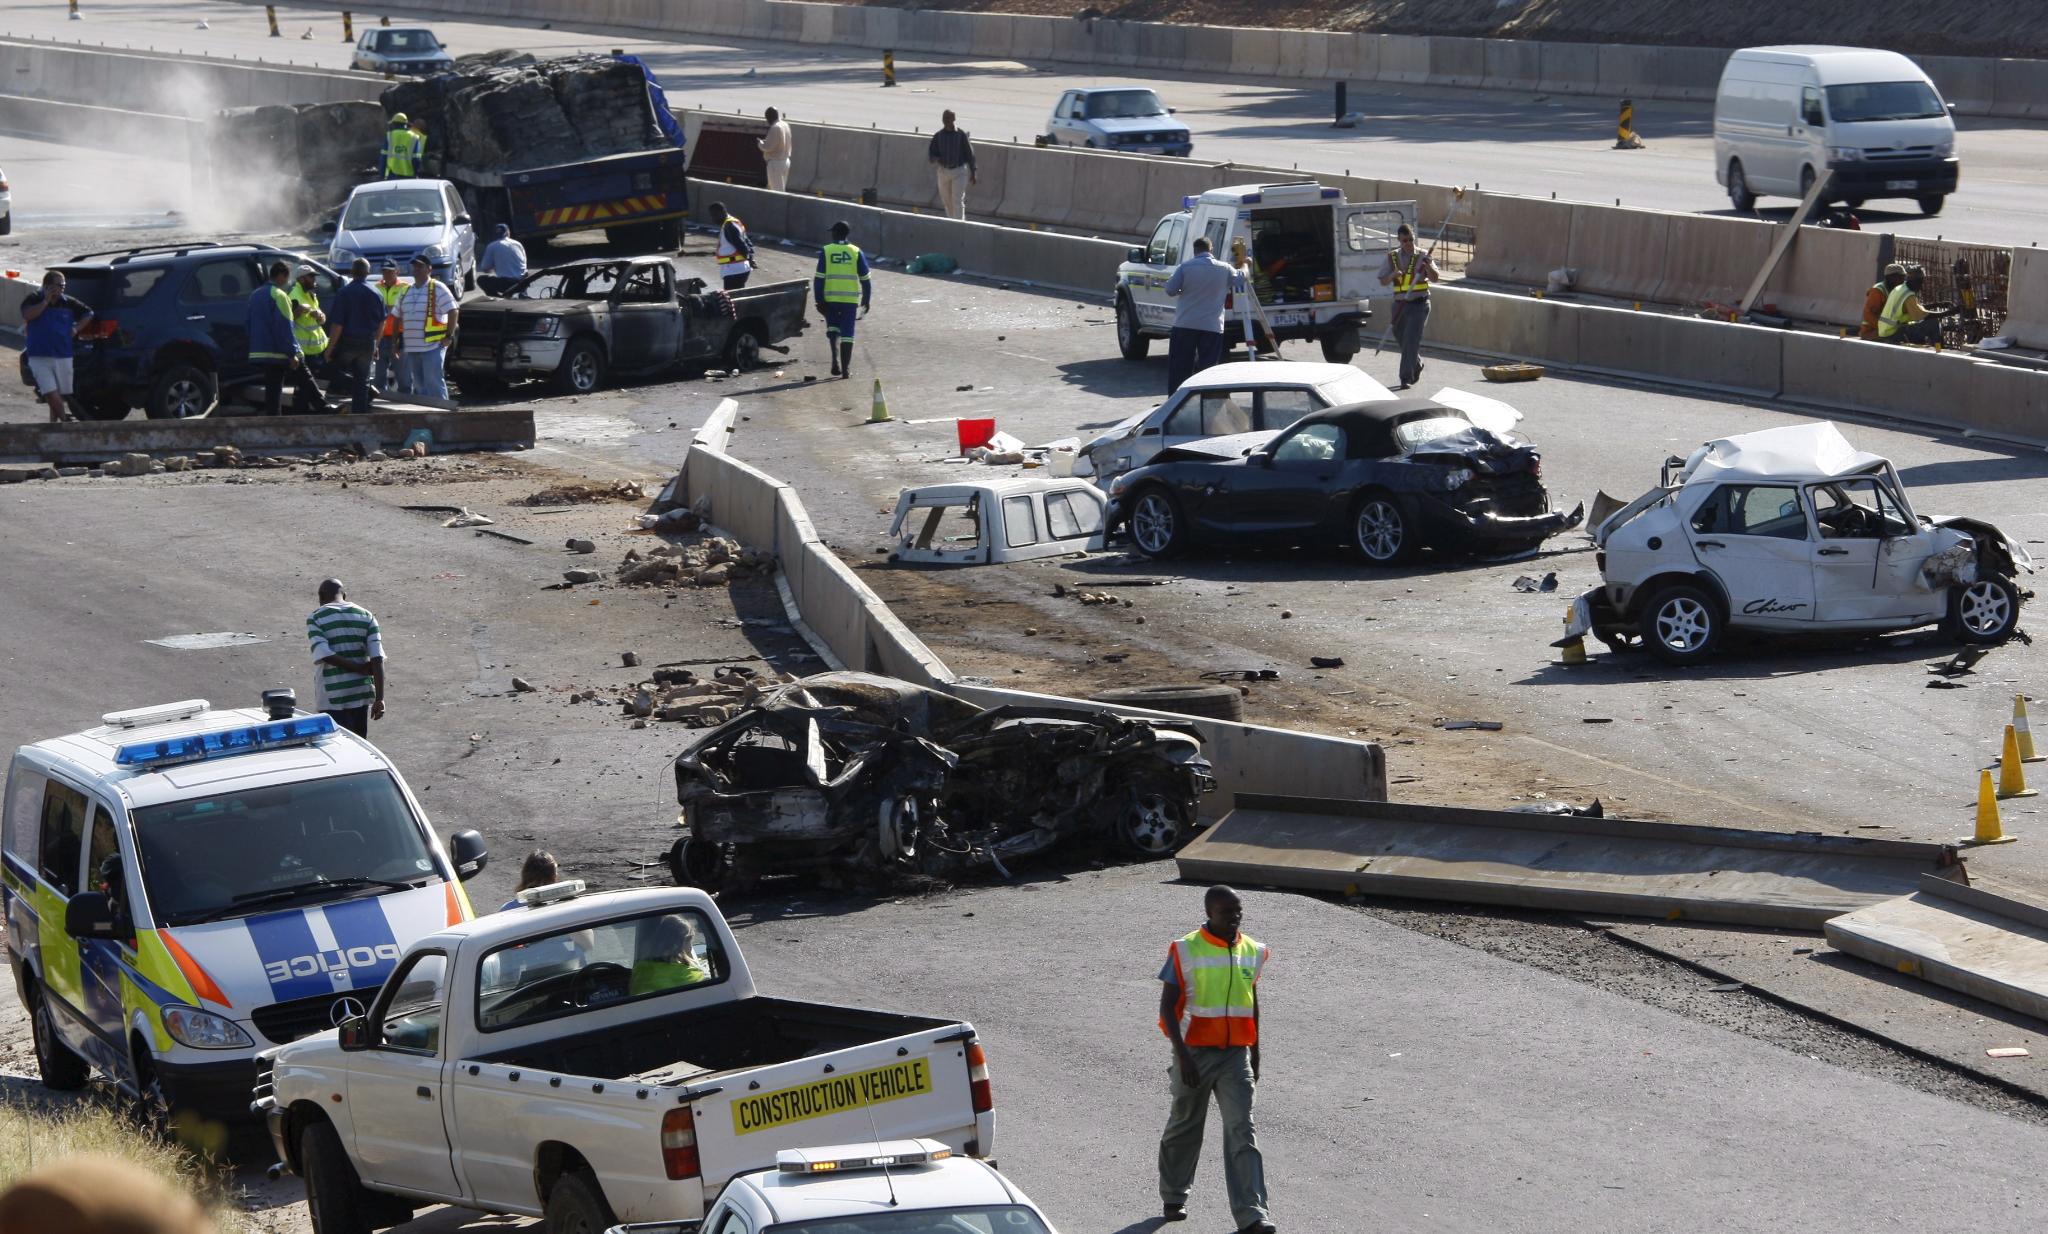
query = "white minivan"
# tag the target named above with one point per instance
(1784, 115)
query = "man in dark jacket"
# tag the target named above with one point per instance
(274, 347)
(358, 320)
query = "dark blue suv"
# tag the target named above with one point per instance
(170, 333)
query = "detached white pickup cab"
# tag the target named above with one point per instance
(592, 1059)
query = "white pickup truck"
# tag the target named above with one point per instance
(1315, 262)
(594, 1059)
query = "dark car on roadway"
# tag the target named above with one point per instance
(1385, 478)
(170, 327)
(581, 322)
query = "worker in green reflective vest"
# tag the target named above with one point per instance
(841, 291)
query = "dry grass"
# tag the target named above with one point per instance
(32, 1135)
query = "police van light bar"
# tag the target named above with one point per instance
(567, 889)
(225, 743)
(1188, 202)
(163, 713)
(900, 1153)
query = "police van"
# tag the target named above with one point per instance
(185, 887)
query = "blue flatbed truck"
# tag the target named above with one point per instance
(639, 198)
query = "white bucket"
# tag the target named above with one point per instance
(1061, 461)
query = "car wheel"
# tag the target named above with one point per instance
(1339, 348)
(1381, 532)
(1985, 611)
(1806, 186)
(1130, 340)
(1739, 195)
(182, 392)
(60, 1068)
(1931, 204)
(576, 1206)
(582, 368)
(1210, 702)
(700, 864)
(335, 1196)
(1149, 826)
(7, 224)
(1158, 528)
(743, 349)
(1681, 624)
(469, 279)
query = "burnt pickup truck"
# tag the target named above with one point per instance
(579, 323)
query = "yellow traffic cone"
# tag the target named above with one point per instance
(2026, 735)
(1989, 831)
(880, 412)
(2012, 777)
(1575, 650)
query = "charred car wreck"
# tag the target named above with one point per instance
(866, 776)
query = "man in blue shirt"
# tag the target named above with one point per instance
(841, 290)
(52, 320)
(503, 263)
(1202, 284)
(358, 320)
(274, 347)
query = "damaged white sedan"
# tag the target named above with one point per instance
(1790, 530)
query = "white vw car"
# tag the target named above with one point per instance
(1791, 530)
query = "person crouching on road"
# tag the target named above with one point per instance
(358, 328)
(1409, 273)
(840, 285)
(735, 248)
(1874, 299)
(503, 263)
(427, 311)
(390, 369)
(52, 321)
(1202, 284)
(274, 347)
(1209, 1010)
(1905, 319)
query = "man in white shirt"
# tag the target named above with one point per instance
(775, 151)
(427, 311)
(503, 263)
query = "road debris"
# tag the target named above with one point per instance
(587, 494)
(1485, 726)
(521, 685)
(630, 659)
(469, 518)
(501, 535)
(1547, 583)
(2008, 1051)
(1326, 661)
(580, 546)
(582, 576)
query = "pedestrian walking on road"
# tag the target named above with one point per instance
(1409, 273)
(390, 369)
(428, 311)
(1874, 300)
(402, 149)
(775, 150)
(358, 327)
(952, 155)
(840, 285)
(274, 347)
(1209, 1010)
(503, 263)
(52, 321)
(348, 660)
(735, 248)
(1203, 285)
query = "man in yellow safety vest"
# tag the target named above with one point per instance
(309, 323)
(735, 248)
(1209, 1010)
(840, 284)
(403, 148)
(1905, 319)
(1408, 273)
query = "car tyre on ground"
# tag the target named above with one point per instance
(1682, 623)
(743, 348)
(60, 1068)
(1739, 195)
(180, 392)
(1985, 612)
(576, 1206)
(1129, 339)
(582, 367)
(1158, 527)
(1931, 204)
(1381, 530)
(1339, 348)
(700, 864)
(336, 1199)
(1210, 702)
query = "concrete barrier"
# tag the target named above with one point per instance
(1886, 378)
(1040, 185)
(1512, 64)
(849, 162)
(1714, 354)
(1692, 74)
(1109, 192)
(763, 213)
(2020, 88)
(903, 176)
(103, 127)
(1619, 252)
(1570, 68)
(1967, 83)
(1708, 258)
(2001, 401)
(1624, 70)
(1355, 57)
(992, 36)
(1032, 37)
(1208, 49)
(1824, 276)
(1256, 53)
(1305, 54)
(1520, 239)
(1982, 938)
(1404, 58)
(2026, 298)
(1497, 324)
(1456, 61)
(820, 24)
(452, 432)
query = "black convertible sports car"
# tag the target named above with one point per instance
(1386, 478)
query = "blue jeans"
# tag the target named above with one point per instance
(390, 369)
(423, 371)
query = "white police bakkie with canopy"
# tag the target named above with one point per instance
(185, 887)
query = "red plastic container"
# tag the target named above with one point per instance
(975, 433)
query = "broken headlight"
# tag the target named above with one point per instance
(544, 327)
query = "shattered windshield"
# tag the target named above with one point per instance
(395, 208)
(571, 283)
(1417, 433)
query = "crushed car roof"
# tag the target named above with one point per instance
(1794, 451)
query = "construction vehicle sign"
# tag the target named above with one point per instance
(834, 1096)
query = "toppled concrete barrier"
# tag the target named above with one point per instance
(495, 428)
(1574, 864)
(1980, 937)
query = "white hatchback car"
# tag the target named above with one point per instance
(1790, 530)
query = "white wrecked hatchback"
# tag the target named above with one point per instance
(1790, 530)
(996, 520)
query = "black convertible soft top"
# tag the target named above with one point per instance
(1370, 426)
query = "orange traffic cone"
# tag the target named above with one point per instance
(2012, 775)
(2026, 735)
(1989, 830)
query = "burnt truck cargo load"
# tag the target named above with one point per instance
(550, 146)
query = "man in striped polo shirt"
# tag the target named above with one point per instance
(348, 660)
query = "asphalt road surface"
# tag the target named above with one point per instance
(1502, 141)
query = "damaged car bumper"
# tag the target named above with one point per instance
(1459, 526)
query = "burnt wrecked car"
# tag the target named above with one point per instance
(868, 775)
(1385, 478)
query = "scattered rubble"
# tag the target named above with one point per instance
(588, 494)
(580, 546)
